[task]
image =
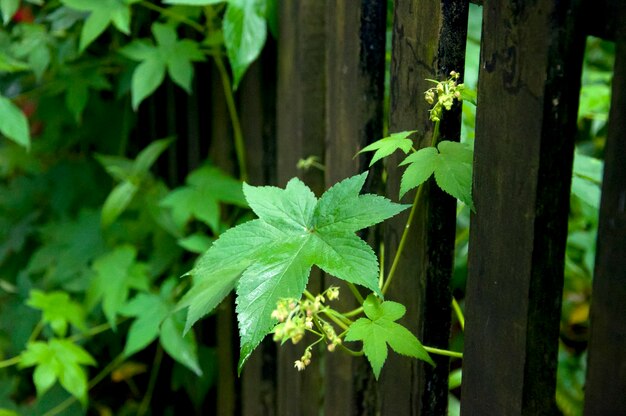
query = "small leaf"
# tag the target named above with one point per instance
(422, 164)
(58, 310)
(14, 123)
(387, 145)
(150, 311)
(58, 359)
(147, 77)
(117, 272)
(8, 9)
(454, 171)
(379, 329)
(195, 2)
(451, 164)
(180, 347)
(117, 201)
(196, 243)
(146, 158)
(245, 32)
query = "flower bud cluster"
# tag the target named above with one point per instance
(305, 360)
(295, 317)
(442, 95)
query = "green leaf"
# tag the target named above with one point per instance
(146, 78)
(245, 32)
(387, 145)
(379, 329)
(182, 348)
(101, 14)
(217, 271)
(196, 243)
(14, 124)
(270, 258)
(451, 163)
(206, 188)
(422, 164)
(170, 54)
(146, 158)
(58, 310)
(150, 311)
(8, 9)
(58, 359)
(117, 201)
(116, 273)
(195, 2)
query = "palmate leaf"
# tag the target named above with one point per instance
(270, 258)
(451, 163)
(58, 310)
(387, 145)
(58, 359)
(154, 318)
(169, 54)
(206, 188)
(379, 329)
(101, 14)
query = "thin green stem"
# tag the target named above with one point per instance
(355, 292)
(169, 13)
(95, 330)
(10, 361)
(447, 353)
(354, 312)
(350, 351)
(459, 313)
(147, 398)
(403, 240)
(36, 331)
(240, 147)
(309, 295)
(336, 320)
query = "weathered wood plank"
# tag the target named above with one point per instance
(354, 99)
(257, 104)
(605, 391)
(428, 42)
(526, 121)
(300, 134)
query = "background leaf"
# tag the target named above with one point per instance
(14, 124)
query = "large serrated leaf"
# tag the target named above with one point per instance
(270, 258)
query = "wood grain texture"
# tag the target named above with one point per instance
(300, 134)
(354, 102)
(605, 391)
(529, 83)
(428, 42)
(257, 104)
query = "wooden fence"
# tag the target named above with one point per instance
(319, 91)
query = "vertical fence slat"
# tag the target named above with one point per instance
(355, 81)
(300, 134)
(606, 374)
(428, 42)
(526, 121)
(257, 103)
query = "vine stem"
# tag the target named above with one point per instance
(147, 398)
(355, 292)
(11, 361)
(403, 240)
(166, 12)
(459, 313)
(447, 353)
(240, 147)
